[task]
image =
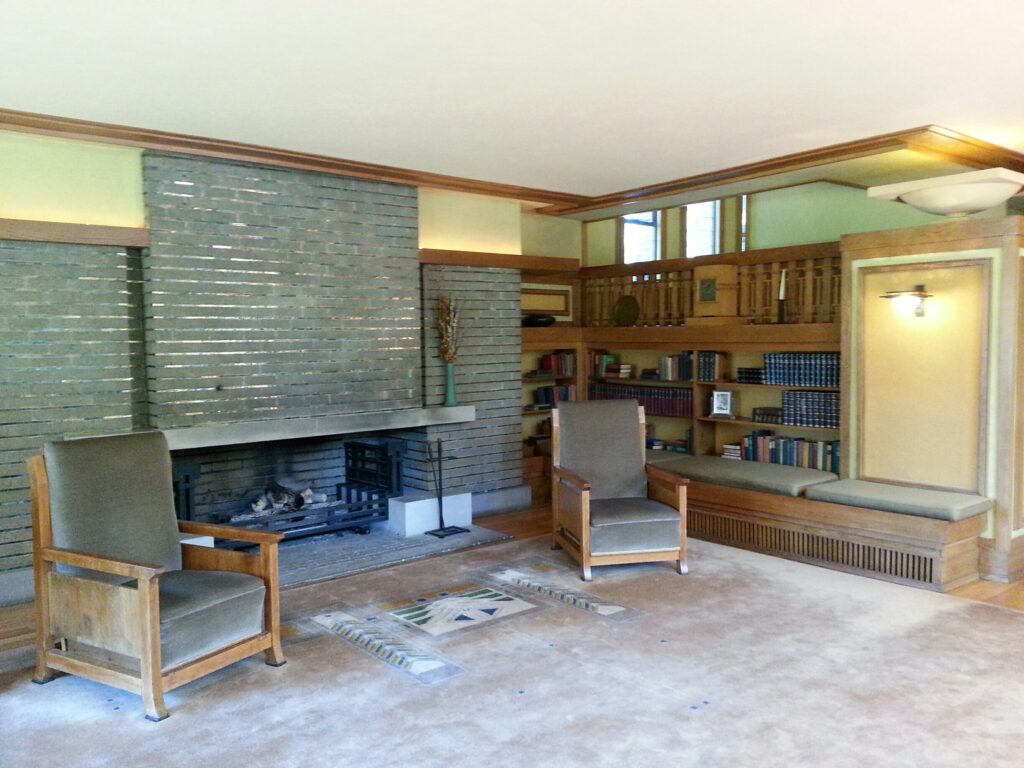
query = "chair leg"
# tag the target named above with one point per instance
(682, 566)
(150, 660)
(153, 701)
(554, 543)
(586, 575)
(274, 656)
(43, 673)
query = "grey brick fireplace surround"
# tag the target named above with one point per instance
(269, 301)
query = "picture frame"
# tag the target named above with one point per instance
(721, 404)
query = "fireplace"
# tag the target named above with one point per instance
(312, 499)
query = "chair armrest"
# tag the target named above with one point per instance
(230, 532)
(571, 478)
(659, 475)
(111, 565)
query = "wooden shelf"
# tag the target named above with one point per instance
(737, 384)
(748, 422)
(787, 337)
(645, 382)
(546, 379)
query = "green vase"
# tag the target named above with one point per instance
(449, 384)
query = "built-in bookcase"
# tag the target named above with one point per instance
(782, 383)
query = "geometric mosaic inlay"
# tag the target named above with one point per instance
(425, 666)
(530, 577)
(455, 608)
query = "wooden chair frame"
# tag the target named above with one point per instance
(110, 633)
(570, 510)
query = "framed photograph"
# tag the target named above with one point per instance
(707, 290)
(721, 405)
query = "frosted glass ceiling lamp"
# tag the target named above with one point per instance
(956, 195)
(908, 301)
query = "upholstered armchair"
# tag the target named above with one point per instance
(608, 507)
(118, 598)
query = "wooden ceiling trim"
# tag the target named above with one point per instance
(933, 140)
(85, 130)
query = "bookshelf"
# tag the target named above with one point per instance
(786, 406)
(739, 347)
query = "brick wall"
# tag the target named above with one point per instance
(273, 293)
(485, 455)
(70, 362)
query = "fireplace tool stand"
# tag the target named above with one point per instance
(442, 531)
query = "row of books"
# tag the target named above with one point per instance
(560, 362)
(657, 401)
(604, 365)
(676, 367)
(711, 366)
(801, 408)
(764, 446)
(599, 362)
(619, 371)
(672, 446)
(545, 396)
(750, 375)
(766, 415)
(802, 369)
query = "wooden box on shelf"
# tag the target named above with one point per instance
(716, 295)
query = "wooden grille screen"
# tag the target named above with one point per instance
(811, 547)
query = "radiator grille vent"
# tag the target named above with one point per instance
(811, 547)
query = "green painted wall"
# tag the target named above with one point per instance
(552, 236)
(600, 243)
(823, 212)
(48, 179)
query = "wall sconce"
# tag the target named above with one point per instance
(905, 301)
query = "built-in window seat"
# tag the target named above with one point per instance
(911, 536)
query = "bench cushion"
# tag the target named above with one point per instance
(751, 475)
(940, 505)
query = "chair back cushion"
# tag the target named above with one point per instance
(113, 496)
(600, 441)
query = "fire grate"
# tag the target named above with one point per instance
(373, 474)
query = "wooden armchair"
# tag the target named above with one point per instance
(118, 599)
(608, 507)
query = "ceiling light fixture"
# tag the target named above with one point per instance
(907, 301)
(955, 195)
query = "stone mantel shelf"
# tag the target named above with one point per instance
(242, 432)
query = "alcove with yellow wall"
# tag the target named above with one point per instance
(923, 376)
(935, 400)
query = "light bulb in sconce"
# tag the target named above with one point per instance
(907, 302)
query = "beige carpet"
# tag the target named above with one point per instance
(747, 661)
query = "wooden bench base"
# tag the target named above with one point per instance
(906, 549)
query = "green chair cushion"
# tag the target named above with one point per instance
(629, 510)
(940, 505)
(205, 611)
(750, 475)
(619, 526)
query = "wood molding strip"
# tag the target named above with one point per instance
(86, 130)
(534, 264)
(931, 139)
(79, 234)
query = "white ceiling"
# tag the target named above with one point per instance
(579, 96)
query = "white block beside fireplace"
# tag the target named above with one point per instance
(416, 513)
